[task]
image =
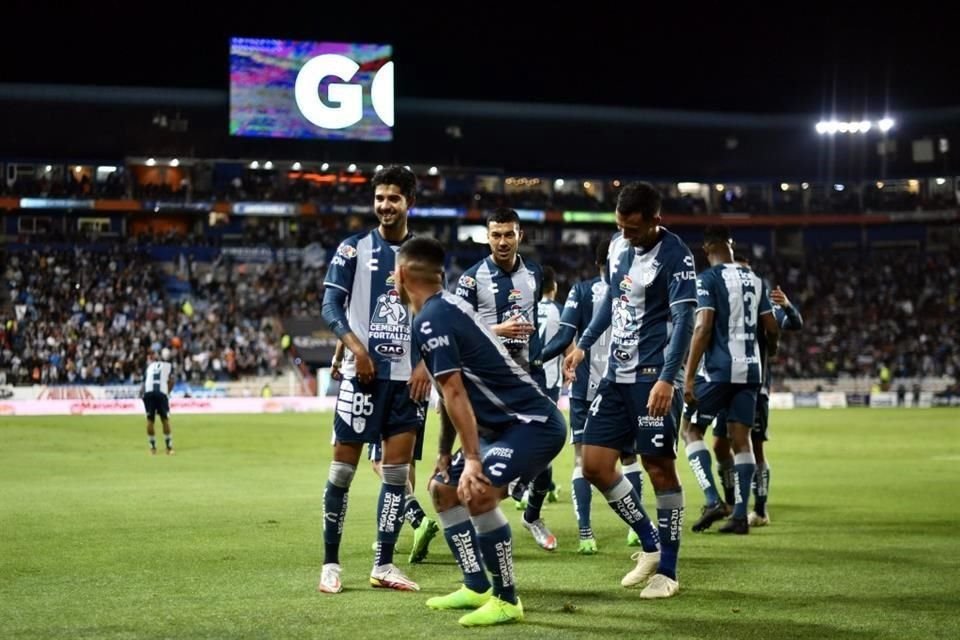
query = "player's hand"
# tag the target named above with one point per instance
(571, 362)
(335, 372)
(442, 468)
(688, 394)
(366, 370)
(473, 483)
(516, 328)
(658, 403)
(419, 383)
(778, 297)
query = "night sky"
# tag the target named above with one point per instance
(799, 60)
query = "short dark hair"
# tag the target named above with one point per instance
(399, 176)
(716, 234)
(639, 197)
(503, 214)
(741, 257)
(603, 251)
(425, 250)
(549, 278)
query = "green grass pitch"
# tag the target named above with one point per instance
(100, 540)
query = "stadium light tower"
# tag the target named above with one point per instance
(832, 127)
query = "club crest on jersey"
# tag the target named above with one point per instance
(515, 294)
(391, 279)
(531, 282)
(347, 251)
(649, 273)
(626, 284)
(467, 282)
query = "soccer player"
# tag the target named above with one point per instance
(424, 527)
(733, 308)
(157, 381)
(548, 315)
(504, 289)
(507, 427)
(788, 319)
(583, 302)
(649, 305)
(382, 394)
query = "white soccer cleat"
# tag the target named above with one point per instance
(540, 533)
(330, 579)
(660, 586)
(755, 520)
(647, 564)
(388, 576)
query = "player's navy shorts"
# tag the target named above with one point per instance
(540, 377)
(578, 419)
(155, 402)
(554, 394)
(690, 413)
(521, 451)
(375, 449)
(618, 419)
(738, 401)
(375, 411)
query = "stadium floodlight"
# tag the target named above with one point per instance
(886, 124)
(720, 187)
(784, 186)
(352, 168)
(151, 162)
(324, 166)
(839, 187)
(865, 126)
(558, 183)
(175, 162)
(433, 171)
(254, 165)
(379, 167)
(941, 181)
(821, 127)
(880, 184)
(804, 185)
(296, 166)
(268, 165)
(48, 168)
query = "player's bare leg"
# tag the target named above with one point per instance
(151, 437)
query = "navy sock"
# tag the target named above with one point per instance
(496, 547)
(700, 461)
(389, 506)
(725, 469)
(626, 503)
(412, 511)
(744, 465)
(670, 519)
(463, 542)
(633, 473)
(335, 509)
(761, 481)
(582, 495)
(538, 492)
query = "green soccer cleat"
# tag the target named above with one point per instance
(495, 611)
(633, 540)
(462, 598)
(422, 536)
(588, 547)
(553, 495)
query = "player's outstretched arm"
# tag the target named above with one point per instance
(472, 482)
(698, 345)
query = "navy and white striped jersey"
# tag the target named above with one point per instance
(548, 314)
(156, 378)
(451, 336)
(363, 266)
(644, 285)
(583, 301)
(497, 296)
(738, 297)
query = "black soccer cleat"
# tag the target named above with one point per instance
(710, 514)
(736, 525)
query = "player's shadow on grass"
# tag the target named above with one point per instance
(649, 620)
